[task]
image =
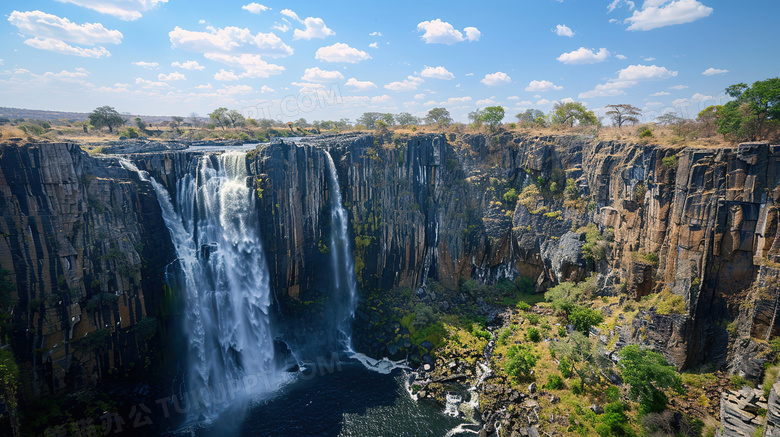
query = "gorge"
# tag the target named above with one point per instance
(151, 275)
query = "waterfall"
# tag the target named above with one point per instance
(344, 281)
(226, 282)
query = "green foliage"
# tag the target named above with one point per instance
(533, 335)
(530, 117)
(570, 113)
(652, 258)
(670, 161)
(565, 366)
(129, 132)
(612, 394)
(564, 296)
(96, 341)
(594, 248)
(532, 318)
(492, 116)
(554, 382)
(622, 114)
(106, 116)
(520, 361)
(614, 422)
(737, 382)
(645, 132)
(753, 114)
(577, 387)
(648, 373)
(511, 196)
(770, 376)
(583, 318)
(439, 116)
(523, 306)
(671, 303)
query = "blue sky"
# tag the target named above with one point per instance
(320, 60)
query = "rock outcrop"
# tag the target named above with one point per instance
(739, 412)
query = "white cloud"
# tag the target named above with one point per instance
(308, 87)
(497, 78)
(317, 75)
(616, 3)
(419, 96)
(649, 59)
(659, 94)
(144, 64)
(237, 89)
(486, 102)
(281, 27)
(584, 56)
(229, 40)
(226, 76)
(563, 30)
(291, 14)
(341, 52)
(252, 64)
(359, 85)
(64, 74)
(374, 45)
(315, 28)
(453, 100)
(677, 12)
(383, 99)
(437, 73)
(266, 89)
(255, 8)
(188, 65)
(58, 46)
(621, 57)
(567, 100)
(651, 105)
(713, 71)
(541, 86)
(472, 33)
(645, 72)
(204, 87)
(524, 103)
(628, 77)
(469, 74)
(128, 10)
(143, 83)
(678, 87)
(173, 76)
(375, 34)
(513, 98)
(543, 102)
(408, 84)
(442, 32)
(45, 26)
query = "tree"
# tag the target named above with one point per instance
(754, 113)
(520, 361)
(708, 119)
(624, 113)
(368, 119)
(406, 119)
(570, 112)
(106, 116)
(648, 373)
(177, 121)
(235, 118)
(195, 119)
(439, 116)
(141, 124)
(219, 118)
(475, 117)
(492, 116)
(529, 116)
(388, 119)
(671, 119)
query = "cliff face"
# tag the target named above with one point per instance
(85, 244)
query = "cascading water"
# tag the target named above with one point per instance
(214, 230)
(345, 283)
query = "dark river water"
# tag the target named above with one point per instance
(350, 401)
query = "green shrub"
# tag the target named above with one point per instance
(533, 335)
(645, 132)
(562, 331)
(511, 196)
(523, 306)
(670, 161)
(737, 382)
(554, 382)
(583, 318)
(520, 361)
(577, 387)
(564, 366)
(612, 393)
(532, 318)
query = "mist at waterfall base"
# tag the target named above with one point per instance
(307, 384)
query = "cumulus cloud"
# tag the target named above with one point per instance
(655, 14)
(255, 8)
(713, 71)
(408, 84)
(563, 30)
(226, 76)
(616, 3)
(127, 10)
(253, 65)
(383, 99)
(628, 77)
(53, 33)
(375, 34)
(374, 45)
(541, 86)
(659, 94)
(229, 40)
(143, 83)
(621, 57)
(584, 56)
(341, 52)
(317, 75)
(291, 14)
(437, 73)
(144, 64)
(173, 76)
(188, 65)
(359, 85)
(442, 32)
(495, 79)
(315, 28)
(486, 102)
(65, 74)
